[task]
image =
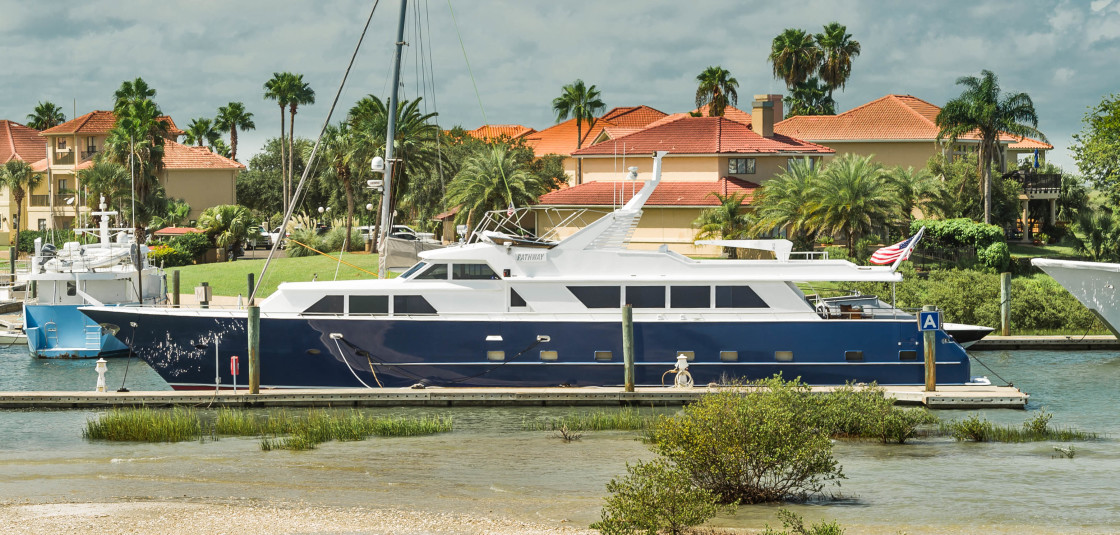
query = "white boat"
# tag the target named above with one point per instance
(1092, 283)
(506, 310)
(108, 272)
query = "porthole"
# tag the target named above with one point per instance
(550, 355)
(853, 356)
(604, 356)
(313, 351)
(783, 356)
(729, 356)
(495, 355)
(907, 354)
(690, 354)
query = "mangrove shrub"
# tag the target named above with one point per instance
(656, 497)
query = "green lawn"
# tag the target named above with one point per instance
(1049, 251)
(230, 278)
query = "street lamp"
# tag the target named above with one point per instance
(321, 210)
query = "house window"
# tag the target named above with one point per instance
(90, 145)
(62, 185)
(645, 296)
(42, 224)
(61, 143)
(740, 166)
(598, 296)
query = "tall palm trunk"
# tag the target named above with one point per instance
(349, 186)
(986, 180)
(17, 194)
(291, 153)
(283, 179)
(233, 142)
(579, 143)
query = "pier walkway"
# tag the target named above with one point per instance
(946, 397)
(1008, 343)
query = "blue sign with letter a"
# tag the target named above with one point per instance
(929, 321)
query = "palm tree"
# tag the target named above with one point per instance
(233, 117)
(795, 56)
(491, 179)
(1101, 231)
(838, 49)
(717, 89)
(914, 188)
(810, 98)
(278, 88)
(728, 221)
(46, 115)
(337, 153)
(227, 225)
(106, 179)
(786, 201)
(983, 111)
(582, 103)
(17, 176)
(201, 130)
(301, 93)
(131, 92)
(854, 198)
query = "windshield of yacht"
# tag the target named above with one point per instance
(413, 269)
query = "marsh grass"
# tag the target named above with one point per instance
(277, 429)
(1036, 429)
(624, 419)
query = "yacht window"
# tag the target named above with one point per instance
(369, 304)
(907, 354)
(645, 296)
(515, 299)
(603, 355)
(71, 288)
(853, 355)
(783, 356)
(412, 304)
(690, 354)
(738, 297)
(550, 355)
(413, 269)
(598, 296)
(729, 356)
(495, 355)
(690, 296)
(435, 272)
(473, 272)
(329, 304)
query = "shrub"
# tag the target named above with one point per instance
(758, 446)
(168, 256)
(995, 256)
(972, 428)
(1038, 424)
(900, 425)
(656, 497)
(961, 232)
(57, 237)
(193, 244)
(299, 240)
(793, 524)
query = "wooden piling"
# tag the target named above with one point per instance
(250, 294)
(628, 347)
(175, 289)
(13, 255)
(1005, 304)
(254, 320)
(929, 341)
(204, 302)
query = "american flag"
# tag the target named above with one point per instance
(897, 252)
(510, 210)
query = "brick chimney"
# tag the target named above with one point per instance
(765, 111)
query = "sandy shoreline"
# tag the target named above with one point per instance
(182, 518)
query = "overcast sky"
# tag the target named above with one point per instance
(203, 54)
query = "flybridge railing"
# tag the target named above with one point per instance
(514, 224)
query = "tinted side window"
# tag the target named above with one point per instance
(738, 297)
(515, 299)
(437, 271)
(473, 272)
(690, 296)
(369, 304)
(645, 296)
(330, 304)
(411, 304)
(598, 296)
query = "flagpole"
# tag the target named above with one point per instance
(906, 254)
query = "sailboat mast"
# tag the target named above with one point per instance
(386, 196)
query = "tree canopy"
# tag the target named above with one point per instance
(1096, 149)
(716, 89)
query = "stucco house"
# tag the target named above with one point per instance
(706, 155)
(17, 142)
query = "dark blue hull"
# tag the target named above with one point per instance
(301, 352)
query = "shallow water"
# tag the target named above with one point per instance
(490, 465)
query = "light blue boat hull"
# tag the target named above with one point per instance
(63, 332)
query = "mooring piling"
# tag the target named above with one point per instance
(628, 347)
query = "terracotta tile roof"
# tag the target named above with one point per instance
(606, 193)
(1026, 143)
(731, 112)
(19, 142)
(561, 138)
(177, 231)
(179, 156)
(448, 214)
(492, 131)
(702, 135)
(39, 166)
(99, 122)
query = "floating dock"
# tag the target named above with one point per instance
(1009, 343)
(946, 397)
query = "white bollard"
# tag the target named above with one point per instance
(102, 367)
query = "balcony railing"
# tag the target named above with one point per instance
(45, 200)
(1037, 183)
(64, 158)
